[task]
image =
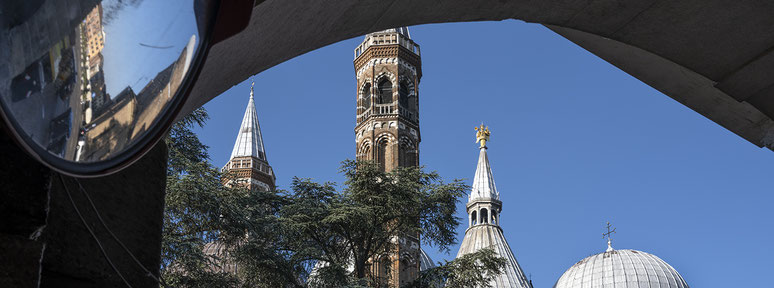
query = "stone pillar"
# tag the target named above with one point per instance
(43, 241)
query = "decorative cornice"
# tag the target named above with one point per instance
(389, 51)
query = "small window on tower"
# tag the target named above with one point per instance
(403, 94)
(367, 96)
(385, 91)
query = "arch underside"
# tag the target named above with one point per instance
(693, 51)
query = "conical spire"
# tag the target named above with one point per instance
(483, 181)
(485, 232)
(249, 141)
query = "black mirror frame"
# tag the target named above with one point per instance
(222, 19)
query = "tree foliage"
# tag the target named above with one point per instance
(314, 234)
(347, 229)
(468, 271)
(194, 202)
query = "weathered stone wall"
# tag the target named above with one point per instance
(44, 243)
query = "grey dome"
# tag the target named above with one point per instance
(221, 259)
(621, 269)
(424, 260)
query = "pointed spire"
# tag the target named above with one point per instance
(249, 141)
(483, 181)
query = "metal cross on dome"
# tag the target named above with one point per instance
(609, 232)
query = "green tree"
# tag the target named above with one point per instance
(195, 203)
(347, 229)
(469, 271)
(277, 237)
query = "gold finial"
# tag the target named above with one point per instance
(609, 232)
(482, 135)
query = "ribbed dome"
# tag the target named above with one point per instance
(621, 269)
(222, 261)
(424, 260)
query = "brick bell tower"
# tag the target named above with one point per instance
(388, 69)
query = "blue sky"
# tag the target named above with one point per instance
(147, 23)
(575, 142)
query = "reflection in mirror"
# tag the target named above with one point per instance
(85, 80)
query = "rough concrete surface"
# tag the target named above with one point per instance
(43, 242)
(722, 42)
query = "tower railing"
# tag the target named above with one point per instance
(384, 109)
(388, 38)
(247, 163)
(387, 109)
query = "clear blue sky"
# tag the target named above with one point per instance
(575, 143)
(143, 23)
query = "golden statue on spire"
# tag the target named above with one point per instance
(482, 135)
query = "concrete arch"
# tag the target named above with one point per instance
(663, 43)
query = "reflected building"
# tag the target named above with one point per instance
(100, 100)
(112, 130)
(128, 115)
(94, 36)
(59, 75)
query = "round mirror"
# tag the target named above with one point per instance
(83, 82)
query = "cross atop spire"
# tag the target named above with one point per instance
(609, 241)
(249, 141)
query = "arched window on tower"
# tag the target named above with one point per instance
(366, 96)
(473, 218)
(484, 216)
(385, 91)
(381, 153)
(364, 152)
(406, 268)
(385, 267)
(403, 94)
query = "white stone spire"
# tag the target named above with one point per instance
(483, 183)
(484, 207)
(249, 141)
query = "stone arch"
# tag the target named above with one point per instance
(384, 150)
(364, 151)
(385, 91)
(473, 218)
(384, 269)
(406, 91)
(364, 96)
(408, 152)
(383, 78)
(407, 263)
(484, 216)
